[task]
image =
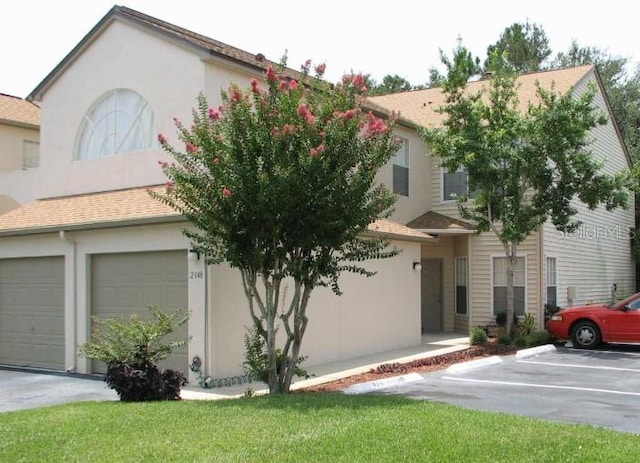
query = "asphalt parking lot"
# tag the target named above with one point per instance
(600, 387)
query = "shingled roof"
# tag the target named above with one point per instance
(419, 107)
(433, 222)
(198, 42)
(133, 206)
(16, 111)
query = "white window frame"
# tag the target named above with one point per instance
(30, 154)
(466, 284)
(402, 159)
(108, 129)
(546, 277)
(444, 171)
(492, 258)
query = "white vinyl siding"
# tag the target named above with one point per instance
(500, 266)
(401, 169)
(598, 253)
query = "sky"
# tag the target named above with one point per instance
(400, 37)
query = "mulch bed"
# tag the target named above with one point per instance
(423, 365)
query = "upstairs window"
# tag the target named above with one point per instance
(401, 169)
(30, 154)
(455, 184)
(120, 121)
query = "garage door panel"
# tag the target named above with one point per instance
(32, 312)
(126, 283)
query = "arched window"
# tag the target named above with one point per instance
(120, 121)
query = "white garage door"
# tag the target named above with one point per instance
(32, 312)
(126, 283)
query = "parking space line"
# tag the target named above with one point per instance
(619, 352)
(572, 365)
(543, 386)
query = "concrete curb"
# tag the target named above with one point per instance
(532, 351)
(473, 364)
(371, 386)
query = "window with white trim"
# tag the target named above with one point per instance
(455, 184)
(401, 169)
(461, 285)
(499, 281)
(120, 121)
(30, 154)
(552, 281)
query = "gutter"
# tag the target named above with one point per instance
(70, 300)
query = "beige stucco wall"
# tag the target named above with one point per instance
(373, 315)
(409, 207)
(11, 145)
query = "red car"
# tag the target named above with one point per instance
(589, 325)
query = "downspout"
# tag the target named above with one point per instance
(72, 292)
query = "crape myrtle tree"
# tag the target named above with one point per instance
(279, 182)
(525, 166)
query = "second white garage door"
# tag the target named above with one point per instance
(126, 283)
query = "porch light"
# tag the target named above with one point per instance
(417, 266)
(193, 255)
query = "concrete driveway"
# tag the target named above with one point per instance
(20, 390)
(594, 387)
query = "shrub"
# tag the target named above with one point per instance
(527, 325)
(477, 335)
(131, 348)
(504, 340)
(520, 341)
(255, 364)
(538, 338)
(501, 318)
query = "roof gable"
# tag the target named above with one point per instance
(16, 111)
(203, 45)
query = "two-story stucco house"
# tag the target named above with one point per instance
(88, 239)
(464, 276)
(19, 144)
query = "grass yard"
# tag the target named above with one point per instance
(298, 428)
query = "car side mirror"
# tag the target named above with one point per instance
(625, 308)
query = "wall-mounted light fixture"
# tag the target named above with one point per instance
(417, 266)
(193, 255)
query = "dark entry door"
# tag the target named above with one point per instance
(431, 295)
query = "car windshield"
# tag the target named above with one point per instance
(627, 301)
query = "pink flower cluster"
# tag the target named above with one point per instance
(355, 80)
(163, 164)
(213, 114)
(320, 69)
(287, 130)
(254, 85)
(271, 74)
(374, 126)
(162, 139)
(305, 113)
(348, 114)
(235, 95)
(226, 192)
(190, 147)
(313, 152)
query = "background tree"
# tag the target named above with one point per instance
(280, 184)
(524, 167)
(526, 46)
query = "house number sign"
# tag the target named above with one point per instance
(196, 275)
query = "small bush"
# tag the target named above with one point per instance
(538, 338)
(504, 340)
(255, 363)
(477, 335)
(131, 348)
(520, 341)
(527, 325)
(501, 319)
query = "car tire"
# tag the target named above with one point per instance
(585, 335)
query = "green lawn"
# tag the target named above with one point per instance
(301, 427)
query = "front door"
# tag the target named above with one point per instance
(431, 283)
